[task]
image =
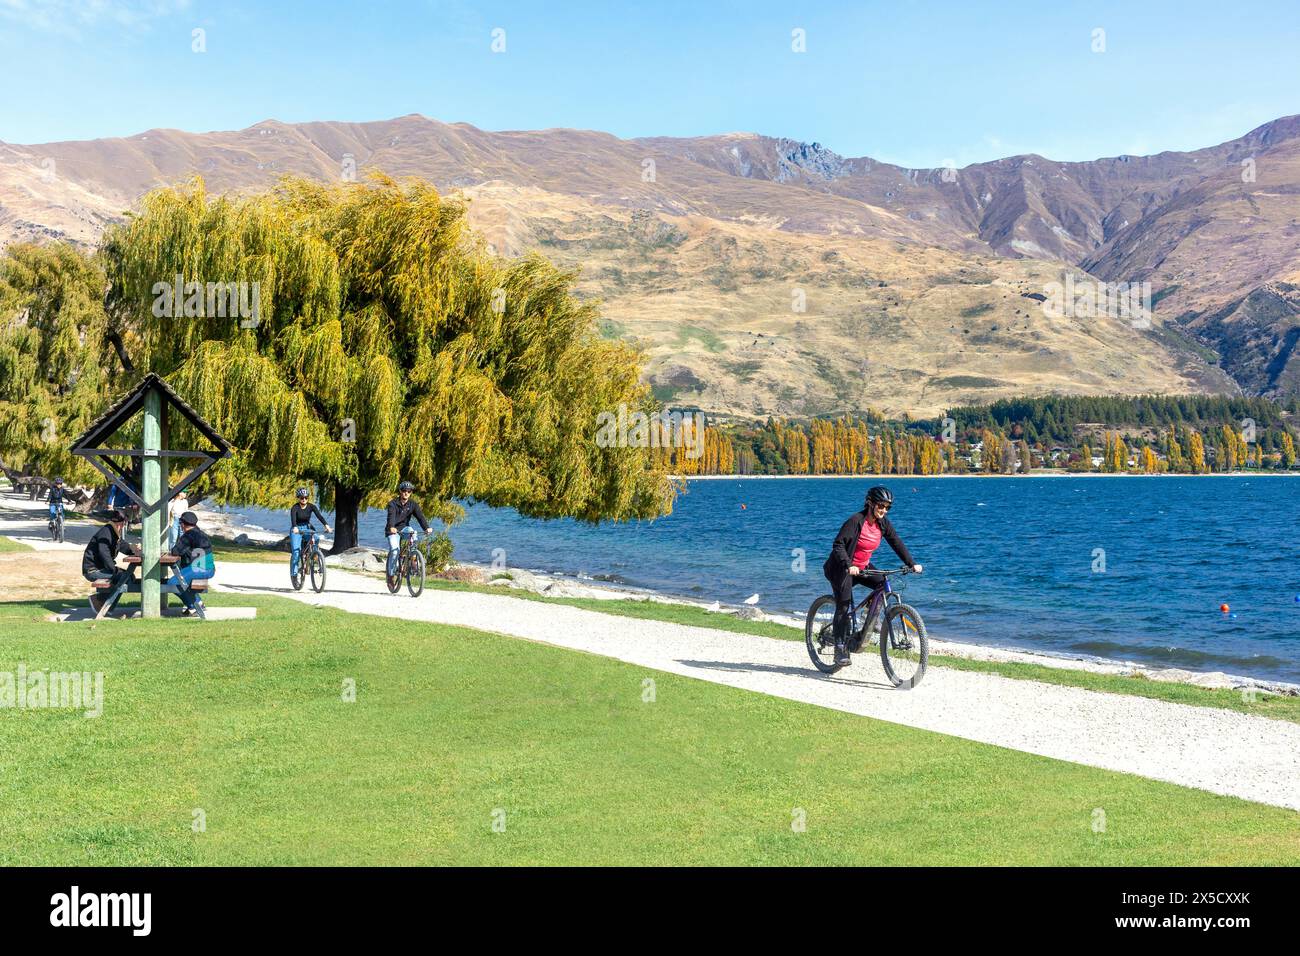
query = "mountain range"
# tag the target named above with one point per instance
(767, 276)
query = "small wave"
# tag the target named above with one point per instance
(1180, 656)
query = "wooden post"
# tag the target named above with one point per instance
(151, 493)
(166, 492)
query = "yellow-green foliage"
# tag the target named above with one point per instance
(56, 374)
(380, 315)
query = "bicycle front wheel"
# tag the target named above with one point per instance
(317, 571)
(819, 634)
(904, 646)
(415, 574)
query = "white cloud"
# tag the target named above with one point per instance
(70, 17)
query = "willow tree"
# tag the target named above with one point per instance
(387, 345)
(58, 365)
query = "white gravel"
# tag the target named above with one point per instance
(1216, 750)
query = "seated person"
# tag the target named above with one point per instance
(99, 561)
(193, 550)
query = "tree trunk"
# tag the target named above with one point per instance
(347, 506)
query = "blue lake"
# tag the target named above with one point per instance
(1117, 567)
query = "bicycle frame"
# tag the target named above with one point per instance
(872, 602)
(307, 544)
(407, 542)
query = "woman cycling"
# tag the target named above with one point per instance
(300, 516)
(850, 560)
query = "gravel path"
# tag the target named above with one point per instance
(1216, 750)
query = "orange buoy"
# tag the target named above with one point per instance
(1223, 608)
(743, 507)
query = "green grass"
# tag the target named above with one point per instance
(9, 544)
(226, 550)
(1277, 707)
(246, 722)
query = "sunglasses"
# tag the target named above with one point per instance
(886, 507)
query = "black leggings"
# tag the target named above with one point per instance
(842, 584)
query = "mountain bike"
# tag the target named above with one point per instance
(56, 526)
(310, 562)
(408, 563)
(904, 645)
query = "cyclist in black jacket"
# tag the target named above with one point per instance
(300, 516)
(58, 494)
(397, 521)
(850, 560)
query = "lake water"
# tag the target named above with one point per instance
(1117, 567)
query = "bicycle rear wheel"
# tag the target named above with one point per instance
(819, 634)
(415, 574)
(904, 646)
(297, 571)
(317, 571)
(393, 572)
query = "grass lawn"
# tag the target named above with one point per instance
(224, 550)
(9, 544)
(452, 729)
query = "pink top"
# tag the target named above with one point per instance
(868, 541)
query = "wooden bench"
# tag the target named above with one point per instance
(167, 588)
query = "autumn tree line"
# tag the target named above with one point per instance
(1143, 435)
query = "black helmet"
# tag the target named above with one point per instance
(303, 493)
(879, 495)
(406, 486)
(58, 481)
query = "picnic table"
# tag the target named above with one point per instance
(132, 586)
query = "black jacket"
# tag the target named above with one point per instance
(846, 542)
(400, 515)
(300, 515)
(191, 541)
(102, 551)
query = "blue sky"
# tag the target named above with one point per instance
(916, 83)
